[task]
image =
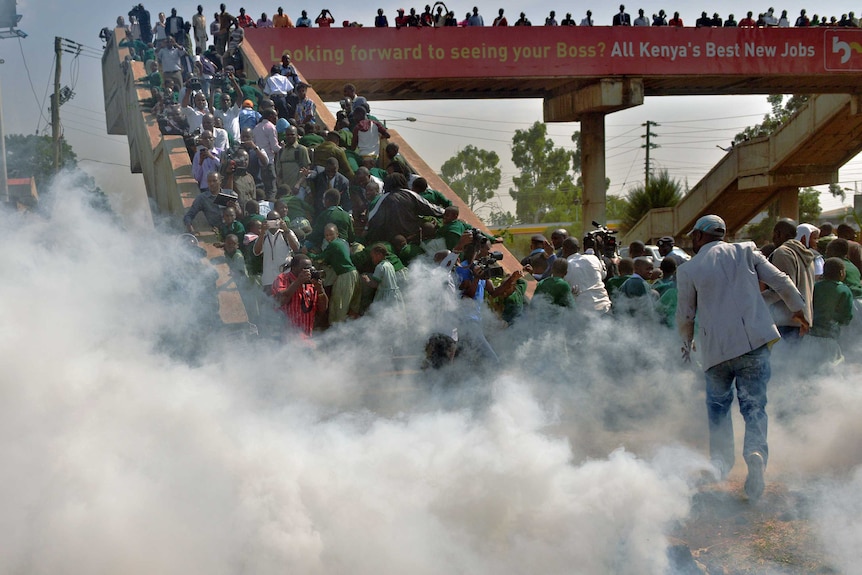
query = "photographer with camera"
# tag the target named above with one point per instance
(472, 285)
(541, 257)
(586, 274)
(602, 242)
(300, 294)
(276, 244)
(206, 159)
(325, 19)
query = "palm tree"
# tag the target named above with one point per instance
(661, 191)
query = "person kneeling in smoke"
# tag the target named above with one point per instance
(440, 350)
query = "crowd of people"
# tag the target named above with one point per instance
(225, 28)
(321, 225)
(278, 183)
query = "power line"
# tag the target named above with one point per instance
(102, 162)
(32, 88)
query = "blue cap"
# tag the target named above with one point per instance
(281, 125)
(711, 224)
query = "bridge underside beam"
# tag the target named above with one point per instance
(570, 104)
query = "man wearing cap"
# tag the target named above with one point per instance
(541, 257)
(665, 250)
(720, 285)
(248, 117)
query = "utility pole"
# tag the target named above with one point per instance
(4, 177)
(55, 105)
(649, 146)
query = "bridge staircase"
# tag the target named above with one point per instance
(807, 150)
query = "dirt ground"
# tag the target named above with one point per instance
(727, 535)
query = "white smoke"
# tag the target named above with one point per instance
(136, 438)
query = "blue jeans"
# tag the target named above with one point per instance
(751, 373)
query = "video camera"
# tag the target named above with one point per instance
(346, 105)
(603, 240)
(488, 265)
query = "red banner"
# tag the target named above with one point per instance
(515, 52)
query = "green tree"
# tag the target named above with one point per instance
(809, 205)
(473, 174)
(615, 208)
(501, 219)
(662, 191)
(781, 113)
(33, 156)
(545, 171)
(809, 210)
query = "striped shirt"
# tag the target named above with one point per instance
(301, 308)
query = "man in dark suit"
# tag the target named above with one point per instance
(622, 19)
(175, 26)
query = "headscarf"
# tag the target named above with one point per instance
(803, 233)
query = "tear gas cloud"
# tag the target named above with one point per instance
(134, 439)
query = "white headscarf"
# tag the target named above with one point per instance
(803, 233)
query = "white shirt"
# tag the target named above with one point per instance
(195, 117)
(586, 273)
(277, 84)
(230, 121)
(275, 250)
(220, 139)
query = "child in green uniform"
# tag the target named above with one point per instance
(383, 280)
(337, 256)
(833, 308)
(229, 226)
(555, 287)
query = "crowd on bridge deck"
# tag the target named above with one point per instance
(275, 183)
(225, 28)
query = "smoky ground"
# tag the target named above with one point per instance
(139, 435)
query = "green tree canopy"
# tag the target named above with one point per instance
(545, 172)
(662, 191)
(473, 174)
(33, 156)
(781, 112)
(809, 211)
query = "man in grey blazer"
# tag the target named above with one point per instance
(734, 331)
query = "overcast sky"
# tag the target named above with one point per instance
(689, 132)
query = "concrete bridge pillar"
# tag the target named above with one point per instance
(788, 203)
(593, 169)
(589, 105)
